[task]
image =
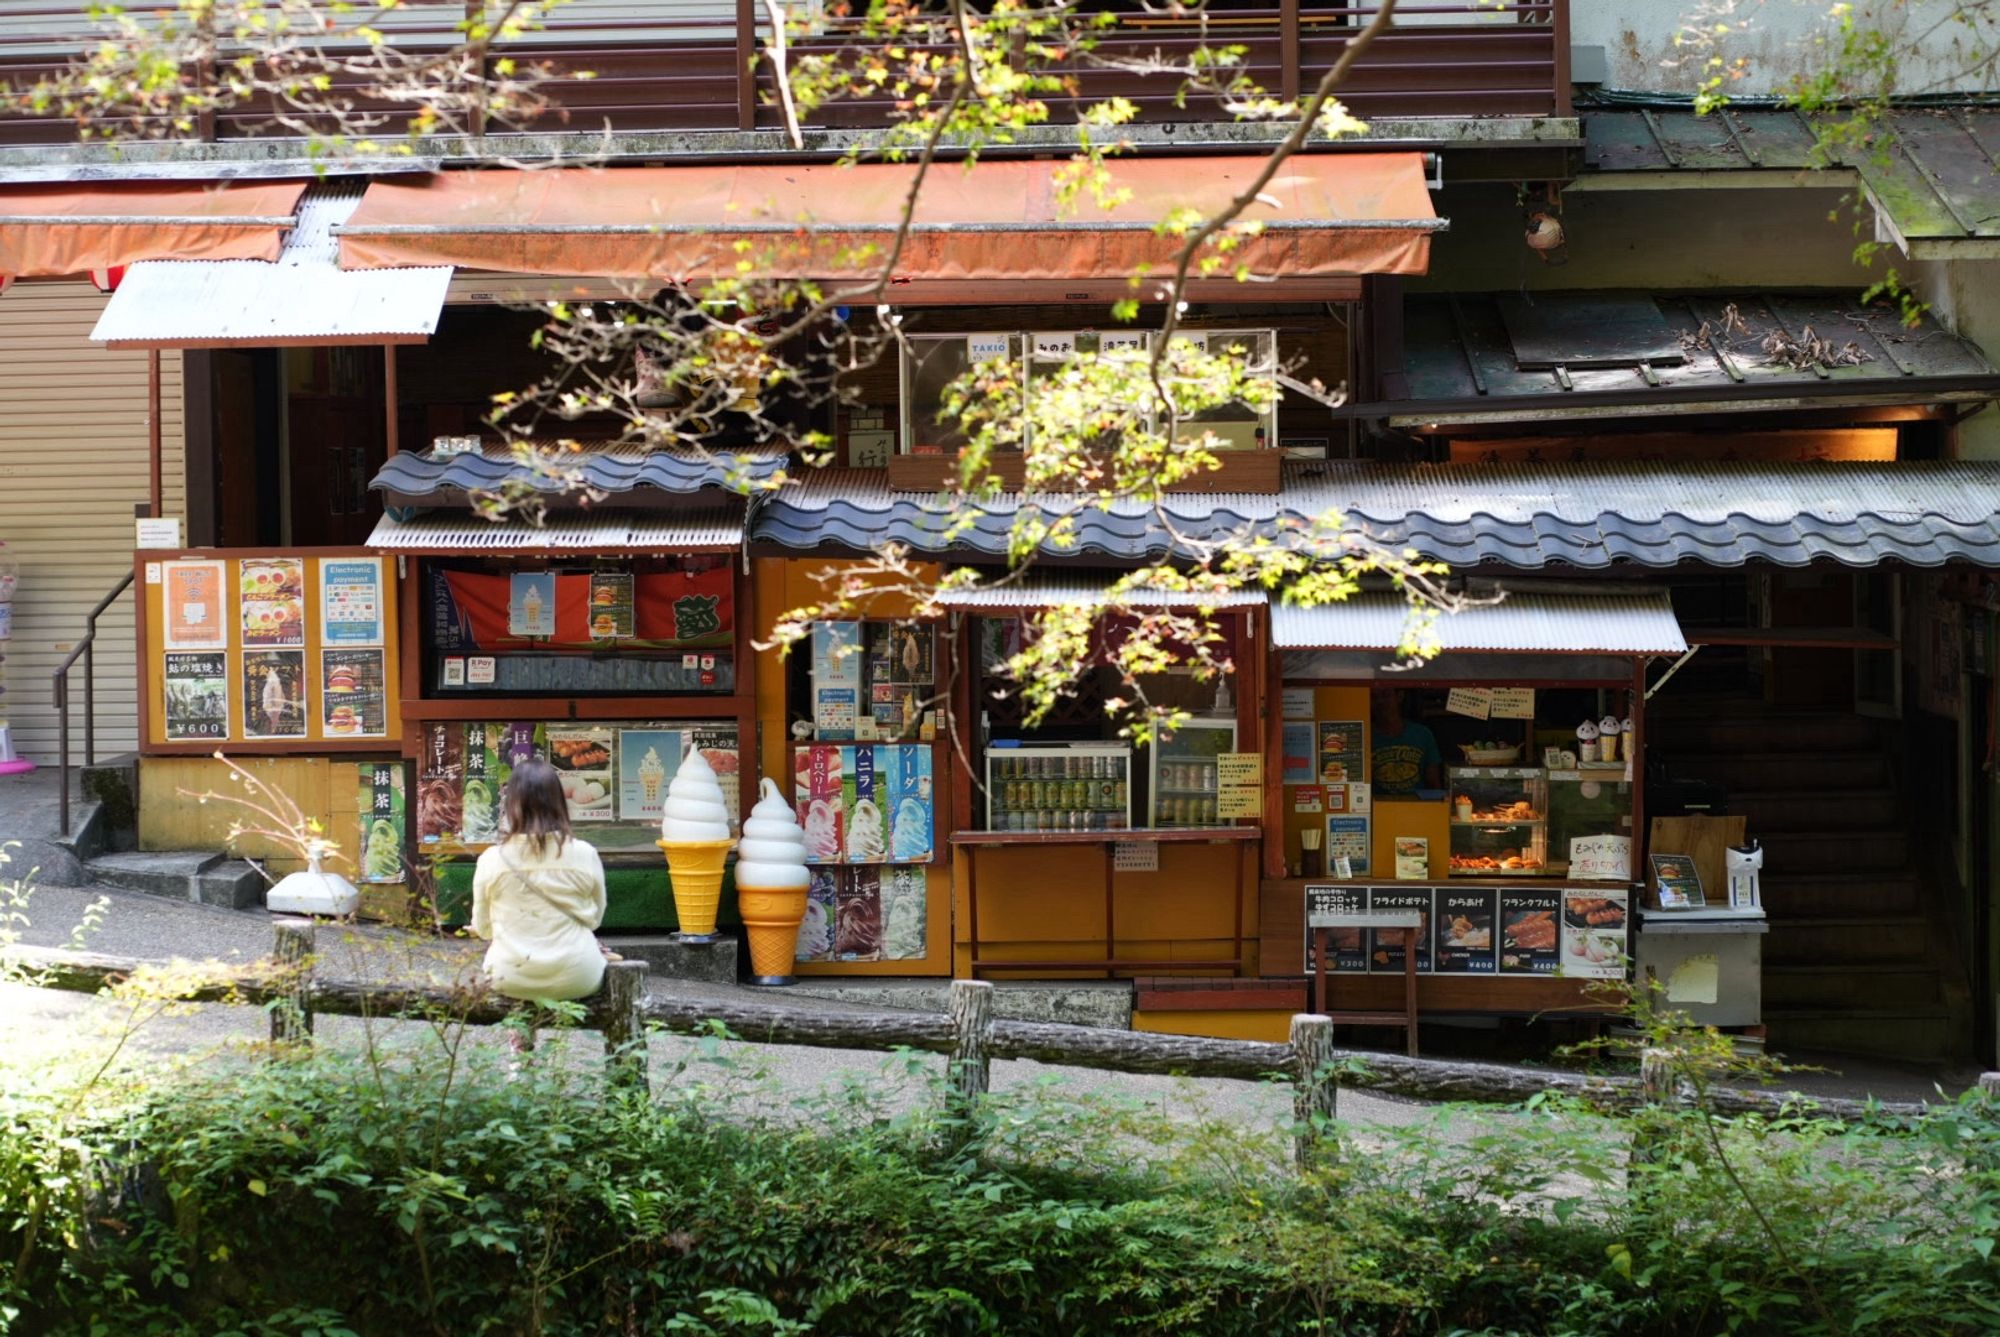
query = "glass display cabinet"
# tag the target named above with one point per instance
(1499, 821)
(1185, 785)
(1081, 787)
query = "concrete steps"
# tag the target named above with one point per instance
(204, 877)
(1764, 730)
(1835, 850)
(1808, 809)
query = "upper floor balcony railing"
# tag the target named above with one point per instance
(695, 65)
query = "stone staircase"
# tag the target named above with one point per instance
(100, 849)
(1854, 962)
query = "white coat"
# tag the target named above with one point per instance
(539, 909)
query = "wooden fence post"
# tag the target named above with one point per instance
(969, 1070)
(291, 1014)
(1315, 1090)
(1658, 1089)
(625, 1051)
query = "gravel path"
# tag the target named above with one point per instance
(46, 1027)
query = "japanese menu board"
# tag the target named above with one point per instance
(1505, 931)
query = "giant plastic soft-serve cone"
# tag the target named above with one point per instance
(694, 833)
(771, 884)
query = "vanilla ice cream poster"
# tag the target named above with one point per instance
(647, 760)
(274, 694)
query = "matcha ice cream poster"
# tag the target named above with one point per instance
(382, 805)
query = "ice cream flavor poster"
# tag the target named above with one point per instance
(383, 815)
(817, 796)
(903, 914)
(909, 809)
(480, 798)
(273, 602)
(816, 929)
(441, 784)
(867, 836)
(531, 603)
(197, 696)
(647, 760)
(274, 694)
(191, 602)
(582, 758)
(612, 606)
(857, 933)
(353, 699)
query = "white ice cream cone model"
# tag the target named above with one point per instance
(771, 883)
(694, 832)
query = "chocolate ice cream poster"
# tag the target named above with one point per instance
(196, 688)
(1464, 929)
(354, 700)
(274, 694)
(383, 816)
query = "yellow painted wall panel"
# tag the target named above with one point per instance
(1274, 1026)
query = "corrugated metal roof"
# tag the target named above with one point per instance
(1502, 357)
(1052, 591)
(1929, 172)
(711, 528)
(1923, 512)
(419, 477)
(302, 297)
(853, 508)
(1523, 517)
(1610, 623)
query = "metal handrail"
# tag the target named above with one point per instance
(85, 649)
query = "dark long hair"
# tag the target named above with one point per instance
(535, 807)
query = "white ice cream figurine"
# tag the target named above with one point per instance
(771, 884)
(1607, 738)
(1586, 741)
(694, 832)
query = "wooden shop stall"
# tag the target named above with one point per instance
(851, 725)
(610, 642)
(286, 661)
(1075, 853)
(1477, 789)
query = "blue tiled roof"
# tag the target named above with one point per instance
(419, 477)
(855, 509)
(1520, 517)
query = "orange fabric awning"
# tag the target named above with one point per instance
(73, 228)
(1324, 215)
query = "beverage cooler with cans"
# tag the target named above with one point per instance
(1185, 784)
(1059, 787)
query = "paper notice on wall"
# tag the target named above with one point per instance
(1513, 703)
(1360, 798)
(1600, 858)
(1476, 702)
(1694, 980)
(1309, 798)
(1297, 703)
(985, 347)
(1135, 856)
(192, 606)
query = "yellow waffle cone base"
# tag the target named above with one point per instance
(696, 868)
(771, 922)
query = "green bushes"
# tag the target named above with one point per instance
(328, 1195)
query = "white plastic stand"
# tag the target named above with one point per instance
(314, 891)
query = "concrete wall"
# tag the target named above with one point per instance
(1965, 296)
(1783, 39)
